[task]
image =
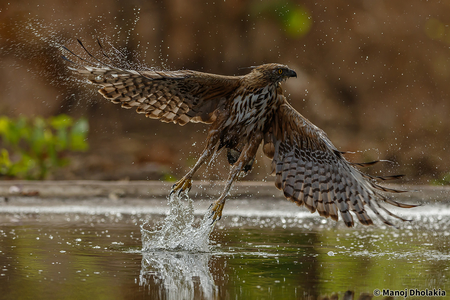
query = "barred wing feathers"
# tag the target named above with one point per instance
(312, 172)
(171, 96)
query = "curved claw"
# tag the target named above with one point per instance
(216, 210)
(182, 185)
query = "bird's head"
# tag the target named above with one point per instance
(273, 73)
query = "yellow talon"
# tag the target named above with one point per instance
(216, 209)
(184, 184)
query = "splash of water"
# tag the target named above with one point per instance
(176, 257)
(178, 231)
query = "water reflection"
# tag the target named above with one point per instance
(177, 275)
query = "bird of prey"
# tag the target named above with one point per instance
(245, 112)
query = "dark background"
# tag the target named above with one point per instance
(373, 74)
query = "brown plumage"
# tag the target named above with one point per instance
(244, 112)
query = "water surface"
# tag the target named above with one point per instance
(95, 252)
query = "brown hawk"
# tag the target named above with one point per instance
(245, 112)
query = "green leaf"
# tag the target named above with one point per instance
(61, 121)
(5, 163)
(78, 135)
(4, 125)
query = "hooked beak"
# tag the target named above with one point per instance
(292, 73)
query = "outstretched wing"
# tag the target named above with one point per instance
(171, 96)
(312, 172)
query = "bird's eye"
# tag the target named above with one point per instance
(280, 71)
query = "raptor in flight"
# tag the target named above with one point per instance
(244, 112)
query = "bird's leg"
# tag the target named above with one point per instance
(247, 154)
(184, 184)
(217, 206)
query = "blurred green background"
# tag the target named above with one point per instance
(372, 74)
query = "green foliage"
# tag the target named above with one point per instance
(298, 22)
(31, 148)
(294, 18)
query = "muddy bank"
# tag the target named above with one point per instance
(200, 190)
